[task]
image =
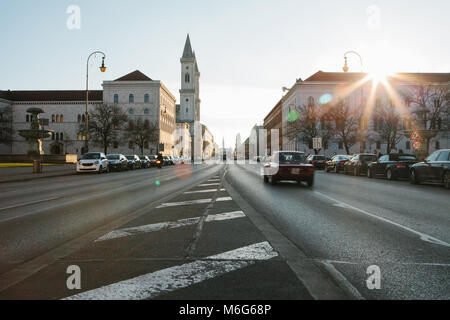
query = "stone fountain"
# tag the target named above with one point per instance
(35, 135)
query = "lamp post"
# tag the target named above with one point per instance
(346, 68)
(102, 69)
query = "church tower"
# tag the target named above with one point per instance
(190, 82)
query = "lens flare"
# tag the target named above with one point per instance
(292, 115)
(157, 183)
(326, 98)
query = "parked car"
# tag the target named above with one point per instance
(288, 165)
(166, 161)
(152, 160)
(117, 162)
(145, 161)
(336, 163)
(171, 160)
(317, 161)
(358, 164)
(435, 168)
(93, 162)
(134, 162)
(392, 166)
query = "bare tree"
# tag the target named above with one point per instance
(388, 126)
(345, 123)
(105, 122)
(6, 130)
(431, 104)
(307, 122)
(141, 132)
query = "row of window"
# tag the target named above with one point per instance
(57, 136)
(437, 145)
(55, 118)
(131, 98)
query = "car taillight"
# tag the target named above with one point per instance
(314, 161)
(342, 162)
(400, 165)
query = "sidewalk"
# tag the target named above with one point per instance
(26, 173)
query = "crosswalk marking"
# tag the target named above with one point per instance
(126, 232)
(156, 283)
(203, 191)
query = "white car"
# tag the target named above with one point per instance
(93, 162)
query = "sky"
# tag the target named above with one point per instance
(247, 50)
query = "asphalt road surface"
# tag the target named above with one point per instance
(219, 232)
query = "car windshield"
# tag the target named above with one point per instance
(291, 157)
(142, 158)
(368, 158)
(404, 158)
(130, 157)
(91, 156)
(319, 158)
(113, 157)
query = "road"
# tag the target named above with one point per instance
(218, 232)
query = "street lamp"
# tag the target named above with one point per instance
(102, 69)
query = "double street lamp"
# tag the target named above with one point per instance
(102, 69)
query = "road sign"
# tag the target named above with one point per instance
(415, 136)
(417, 145)
(317, 143)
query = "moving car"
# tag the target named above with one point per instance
(288, 165)
(134, 162)
(317, 161)
(117, 162)
(435, 168)
(392, 166)
(358, 164)
(93, 162)
(145, 161)
(336, 163)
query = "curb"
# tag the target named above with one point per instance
(36, 177)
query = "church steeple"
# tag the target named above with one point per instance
(187, 52)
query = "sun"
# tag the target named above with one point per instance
(379, 75)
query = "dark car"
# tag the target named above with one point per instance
(152, 160)
(435, 168)
(336, 163)
(134, 162)
(392, 166)
(288, 165)
(358, 164)
(318, 161)
(167, 161)
(117, 162)
(145, 161)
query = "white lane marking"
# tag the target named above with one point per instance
(156, 283)
(23, 204)
(224, 199)
(428, 264)
(423, 236)
(213, 180)
(126, 232)
(208, 184)
(203, 191)
(184, 203)
(342, 281)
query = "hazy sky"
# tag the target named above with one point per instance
(246, 50)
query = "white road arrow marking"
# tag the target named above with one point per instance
(156, 283)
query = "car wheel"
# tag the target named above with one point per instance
(390, 175)
(369, 173)
(446, 180)
(266, 179)
(100, 170)
(108, 170)
(272, 180)
(310, 182)
(413, 178)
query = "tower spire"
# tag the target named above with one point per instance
(187, 52)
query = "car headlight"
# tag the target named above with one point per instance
(97, 162)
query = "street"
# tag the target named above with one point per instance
(216, 231)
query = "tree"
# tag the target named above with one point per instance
(141, 132)
(303, 123)
(345, 123)
(431, 105)
(6, 131)
(104, 125)
(388, 126)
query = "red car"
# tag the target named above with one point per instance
(288, 165)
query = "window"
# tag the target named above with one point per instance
(28, 118)
(53, 118)
(83, 118)
(57, 118)
(437, 145)
(384, 158)
(61, 118)
(310, 101)
(146, 111)
(116, 98)
(408, 145)
(116, 145)
(57, 136)
(61, 136)
(146, 98)
(187, 110)
(131, 98)
(444, 156)
(378, 145)
(433, 156)
(53, 136)
(79, 118)
(187, 78)
(131, 111)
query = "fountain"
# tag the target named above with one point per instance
(35, 135)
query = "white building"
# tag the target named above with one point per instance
(135, 93)
(361, 92)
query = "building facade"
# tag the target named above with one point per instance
(364, 96)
